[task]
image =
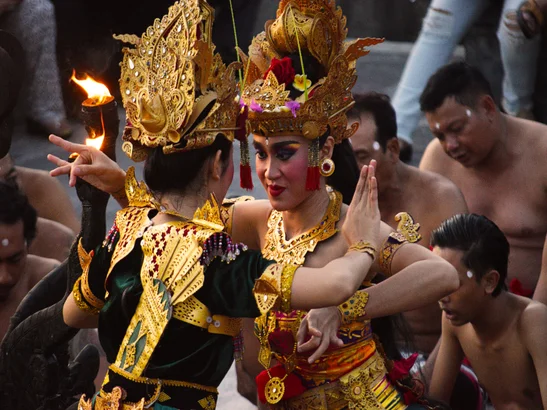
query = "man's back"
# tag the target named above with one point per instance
(503, 363)
(513, 195)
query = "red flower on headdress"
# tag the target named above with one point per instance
(283, 70)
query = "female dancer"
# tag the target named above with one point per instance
(299, 224)
(167, 285)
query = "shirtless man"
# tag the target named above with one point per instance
(503, 335)
(53, 238)
(497, 161)
(19, 271)
(428, 197)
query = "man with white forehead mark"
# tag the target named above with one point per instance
(402, 187)
(19, 271)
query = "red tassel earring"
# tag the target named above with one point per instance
(313, 176)
(245, 174)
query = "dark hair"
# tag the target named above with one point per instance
(484, 245)
(176, 172)
(14, 206)
(314, 70)
(379, 106)
(459, 80)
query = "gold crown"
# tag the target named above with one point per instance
(177, 93)
(317, 27)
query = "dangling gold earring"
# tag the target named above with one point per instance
(327, 167)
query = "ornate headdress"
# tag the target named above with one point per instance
(177, 92)
(318, 28)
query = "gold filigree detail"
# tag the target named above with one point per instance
(319, 28)
(194, 312)
(161, 382)
(209, 215)
(364, 247)
(137, 192)
(407, 227)
(357, 385)
(293, 252)
(80, 301)
(269, 95)
(208, 403)
(171, 78)
(393, 242)
(354, 308)
(287, 277)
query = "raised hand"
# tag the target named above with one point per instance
(319, 330)
(92, 165)
(362, 221)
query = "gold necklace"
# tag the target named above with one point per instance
(293, 251)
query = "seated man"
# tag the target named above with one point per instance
(501, 334)
(19, 271)
(497, 161)
(53, 237)
(429, 198)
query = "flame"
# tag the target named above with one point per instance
(95, 142)
(96, 91)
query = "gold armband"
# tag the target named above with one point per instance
(364, 247)
(393, 242)
(84, 289)
(273, 289)
(80, 300)
(353, 308)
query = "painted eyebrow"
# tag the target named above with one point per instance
(276, 145)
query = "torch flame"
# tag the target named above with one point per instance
(95, 142)
(96, 91)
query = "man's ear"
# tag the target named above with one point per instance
(489, 106)
(490, 281)
(393, 149)
(328, 148)
(216, 166)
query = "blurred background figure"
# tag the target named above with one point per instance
(444, 26)
(33, 23)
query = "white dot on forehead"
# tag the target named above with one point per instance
(5, 242)
(468, 112)
(376, 145)
(469, 274)
(438, 126)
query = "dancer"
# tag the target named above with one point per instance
(300, 223)
(167, 284)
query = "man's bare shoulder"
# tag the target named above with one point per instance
(439, 192)
(435, 159)
(533, 318)
(38, 267)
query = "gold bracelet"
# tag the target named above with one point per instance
(364, 247)
(80, 300)
(287, 277)
(354, 308)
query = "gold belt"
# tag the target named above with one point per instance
(364, 388)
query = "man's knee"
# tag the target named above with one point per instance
(438, 23)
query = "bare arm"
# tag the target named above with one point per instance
(76, 318)
(416, 271)
(541, 289)
(534, 333)
(246, 218)
(447, 365)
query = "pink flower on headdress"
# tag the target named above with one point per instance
(293, 106)
(255, 106)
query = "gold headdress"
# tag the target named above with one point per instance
(177, 93)
(318, 28)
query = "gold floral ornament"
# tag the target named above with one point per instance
(177, 92)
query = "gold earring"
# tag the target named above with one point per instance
(327, 167)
